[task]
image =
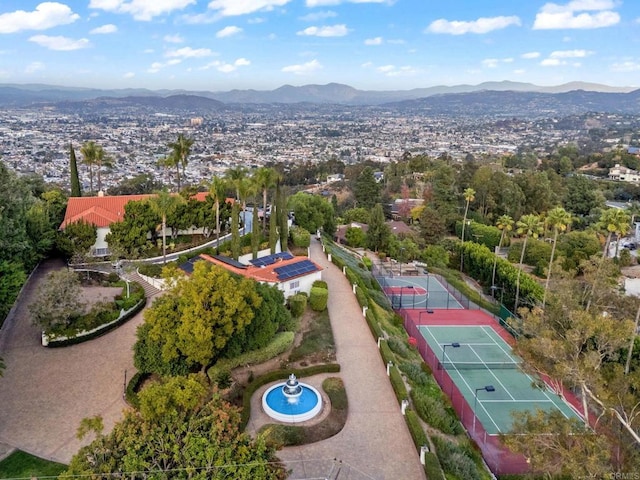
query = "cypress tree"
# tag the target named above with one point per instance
(255, 231)
(273, 228)
(73, 170)
(283, 218)
(235, 233)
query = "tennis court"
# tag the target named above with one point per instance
(418, 292)
(486, 372)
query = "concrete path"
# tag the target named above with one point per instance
(375, 442)
(45, 392)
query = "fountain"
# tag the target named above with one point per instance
(291, 401)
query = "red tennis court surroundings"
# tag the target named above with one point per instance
(405, 291)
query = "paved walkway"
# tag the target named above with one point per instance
(375, 442)
(45, 392)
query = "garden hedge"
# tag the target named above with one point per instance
(398, 385)
(318, 298)
(297, 305)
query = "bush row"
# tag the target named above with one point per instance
(398, 385)
(133, 387)
(297, 304)
(318, 298)
(281, 343)
(279, 375)
(458, 460)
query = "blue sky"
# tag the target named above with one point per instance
(220, 45)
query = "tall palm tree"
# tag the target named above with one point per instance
(505, 225)
(101, 160)
(612, 220)
(181, 149)
(559, 220)
(469, 195)
(164, 204)
(89, 152)
(218, 190)
(246, 188)
(235, 177)
(265, 178)
(529, 226)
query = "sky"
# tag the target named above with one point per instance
(220, 45)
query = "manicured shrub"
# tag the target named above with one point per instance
(320, 284)
(415, 428)
(318, 299)
(415, 374)
(455, 461)
(151, 270)
(432, 411)
(367, 262)
(386, 353)
(398, 384)
(399, 347)
(432, 466)
(300, 237)
(361, 295)
(297, 304)
(373, 324)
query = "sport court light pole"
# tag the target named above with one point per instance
(487, 388)
(444, 348)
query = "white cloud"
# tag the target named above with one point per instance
(173, 38)
(317, 16)
(481, 25)
(324, 3)
(256, 21)
(373, 41)
(157, 66)
(396, 41)
(577, 14)
(367, 65)
(129, 75)
(520, 71)
(104, 29)
(393, 71)
(230, 8)
(60, 43)
(188, 52)
(34, 67)
(242, 62)
(570, 53)
(494, 62)
(228, 31)
(46, 15)
(224, 67)
(530, 55)
(339, 30)
(144, 10)
(304, 68)
(626, 66)
(552, 62)
(148, 50)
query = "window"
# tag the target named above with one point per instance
(294, 285)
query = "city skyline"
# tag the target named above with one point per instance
(369, 44)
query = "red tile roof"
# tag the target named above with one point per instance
(262, 274)
(103, 211)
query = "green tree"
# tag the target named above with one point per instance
(76, 191)
(76, 239)
(138, 185)
(179, 157)
(218, 190)
(12, 277)
(89, 152)
(582, 196)
(366, 190)
(265, 179)
(57, 303)
(469, 196)
(312, 212)
(378, 233)
(197, 438)
(559, 446)
(359, 214)
(432, 226)
(129, 237)
(101, 160)
(282, 216)
(164, 204)
(529, 226)
(201, 313)
(505, 224)
(559, 220)
(355, 237)
(235, 230)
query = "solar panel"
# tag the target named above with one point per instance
(188, 266)
(294, 270)
(271, 259)
(229, 261)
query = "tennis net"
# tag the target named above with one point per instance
(479, 365)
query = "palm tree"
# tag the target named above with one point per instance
(101, 160)
(505, 224)
(218, 190)
(558, 219)
(245, 188)
(469, 196)
(179, 156)
(164, 204)
(529, 226)
(612, 220)
(265, 178)
(89, 151)
(235, 176)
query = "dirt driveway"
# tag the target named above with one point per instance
(45, 392)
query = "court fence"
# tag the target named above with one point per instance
(500, 460)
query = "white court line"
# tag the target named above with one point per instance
(517, 401)
(544, 391)
(470, 389)
(492, 374)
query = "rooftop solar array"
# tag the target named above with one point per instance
(295, 269)
(187, 266)
(271, 259)
(229, 261)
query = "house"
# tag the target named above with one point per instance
(401, 207)
(335, 177)
(341, 231)
(624, 174)
(104, 210)
(289, 274)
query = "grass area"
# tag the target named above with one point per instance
(317, 343)
(22, 465)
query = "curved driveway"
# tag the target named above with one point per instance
(45, 392)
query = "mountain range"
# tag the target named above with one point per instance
(492, 98)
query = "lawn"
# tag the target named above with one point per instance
(22, 465)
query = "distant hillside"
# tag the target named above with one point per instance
(332, 93)
(172, 104)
